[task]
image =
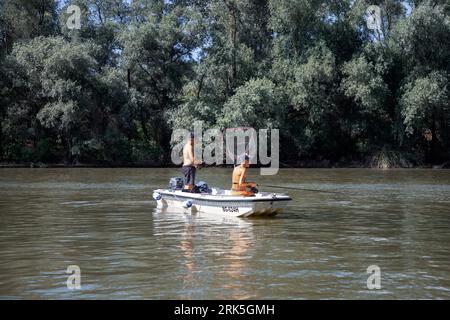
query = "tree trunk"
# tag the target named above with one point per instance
(234, 48)
(129, 78)
(434, 152)
(232, 10)
(144, 127)
(162, 136)
(1, 140)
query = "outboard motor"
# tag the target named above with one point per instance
(176, 183)
(202, 187)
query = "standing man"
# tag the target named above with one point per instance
(189, 164)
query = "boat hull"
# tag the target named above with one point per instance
(232, 206)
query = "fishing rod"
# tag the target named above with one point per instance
(301, 189)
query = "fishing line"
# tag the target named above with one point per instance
(301, 189)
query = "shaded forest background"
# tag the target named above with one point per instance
(112, 91)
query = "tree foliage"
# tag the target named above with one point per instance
(115, 89)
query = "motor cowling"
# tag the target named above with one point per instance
(176, 183)
(202, 187)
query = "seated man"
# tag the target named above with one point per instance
(239, 186)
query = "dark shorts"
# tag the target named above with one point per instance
(188, 174)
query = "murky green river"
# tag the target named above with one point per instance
(105, 222)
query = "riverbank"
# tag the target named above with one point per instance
(306, 164)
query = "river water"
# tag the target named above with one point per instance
(105, 222)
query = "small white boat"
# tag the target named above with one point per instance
(222, 202)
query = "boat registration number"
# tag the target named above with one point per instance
(230, 209)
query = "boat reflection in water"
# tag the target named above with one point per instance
(214, 253)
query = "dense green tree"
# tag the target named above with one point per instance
(26, 19)
(371, 123)
(425, 107)
(235, 47)
(113, 90)
(58, 77)
(155, 56)
(422, 44)
(257, 104)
